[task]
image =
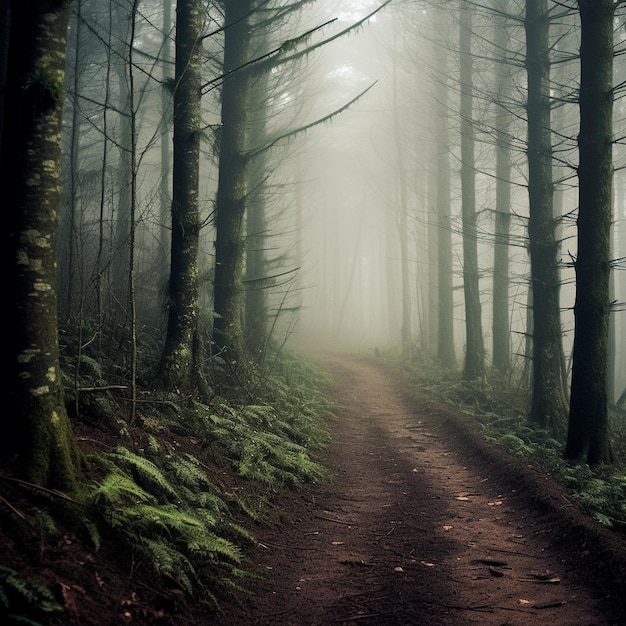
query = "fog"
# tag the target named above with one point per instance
(350, 182)
(351, 269)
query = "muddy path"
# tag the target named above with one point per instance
(423, 524)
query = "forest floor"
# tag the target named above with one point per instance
(423, 522)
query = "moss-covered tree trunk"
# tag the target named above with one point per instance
(178, 361)
(40, 434)
(474, 346)
(588, 420)
(548, 408)
(232, 187)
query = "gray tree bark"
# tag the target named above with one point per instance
(474, 347)
(445, 298)
(501, 347)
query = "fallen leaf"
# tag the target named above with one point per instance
(447, 527)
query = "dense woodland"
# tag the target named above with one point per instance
(195, 190)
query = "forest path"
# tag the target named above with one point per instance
(414, 529)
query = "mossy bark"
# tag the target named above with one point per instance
(179, 361)
(41, 440)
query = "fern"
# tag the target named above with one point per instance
(24, 601)
(188, 472)
(119, 490)
(144, 471)
(170, 562)
(181, 540)
(94, 366)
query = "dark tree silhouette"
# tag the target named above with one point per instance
(588, 418)
(41, 435)
(548, 399)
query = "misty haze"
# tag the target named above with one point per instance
(317, 312)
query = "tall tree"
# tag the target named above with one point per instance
(179, 358)
(232, 185)
(401, 193)
(445, 300)
(548, 408)
(30, 176)
(474, 347)
(5, 20)
(501, 351)
(588, 417)
(124, 21)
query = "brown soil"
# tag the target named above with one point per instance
(426, 524)
(423, 523)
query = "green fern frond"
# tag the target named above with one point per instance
(92, 364)
(26, 600)
(188, 471)
(167, 560)
(118, 490)
(153, 444)
(45, 524)
(144, 471)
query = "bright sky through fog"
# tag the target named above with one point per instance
(356, 10)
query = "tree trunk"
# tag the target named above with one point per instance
(123, 17)
(501, 327)
(548, 407)
(232, 187)
(588, 417)
(257, 282)
(445, 298)
(474, 346)
(177, 367)
(165, 196)
(5, 20)
(30, 176)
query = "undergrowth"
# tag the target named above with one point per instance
(501, 409)
(25, 601)
(175, 496)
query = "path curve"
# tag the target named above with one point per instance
(412, 530)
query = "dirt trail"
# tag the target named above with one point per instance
(412, 530)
